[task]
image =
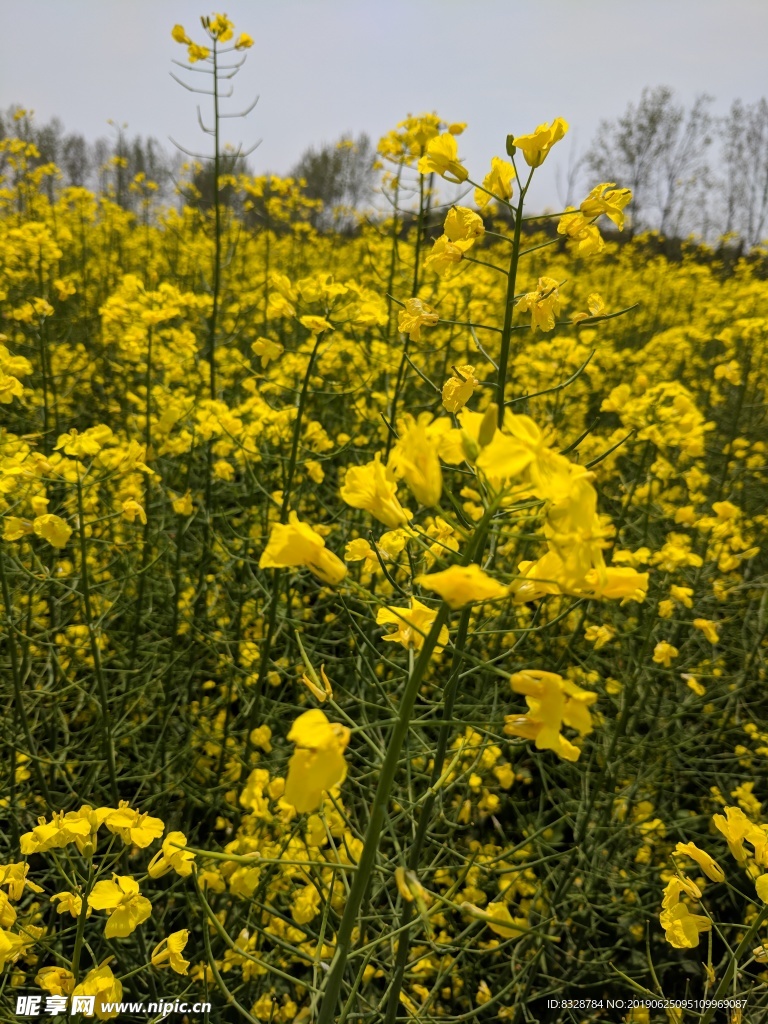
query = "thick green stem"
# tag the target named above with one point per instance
(739, 953)
(425, 814)
(274, 589)
(216, 283)
(381, 798)
(147, 486)
(17, 685)
(401, 372)
(108, 741)
(81, 917)
(506, 332)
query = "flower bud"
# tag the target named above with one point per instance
(488, 425)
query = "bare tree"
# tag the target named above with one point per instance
(744, 187)
(567, 180)
(682, 172)
(341, 175)
(658, 150)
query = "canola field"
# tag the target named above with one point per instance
(384, 610)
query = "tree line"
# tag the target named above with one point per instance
(690, 171)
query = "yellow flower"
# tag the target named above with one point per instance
(674, 889)
(221, 27)
(684, 595)
(371, 487)
(318, 763)
(104, 986)
(183, 506)
(442, 156)
(463, 225)
(413, 625)
(15, 877)
(295, 543)
(68, 901)
(122, 898)
(266, 350)
(599, 635)
(10, 388)
(59, 832)
(7, 912)
(551, 702)
(15, 528)
(90, 442)
(457, 391)
(708, 628)
(446, 255)
(682, 928)
(171, 856)
(133, 827)
(53, 529)
(498, 919)
(616, 583)
(498, 181)
(664, 653)
(170, 949)
(461, 585)
(736, 827)
(607, 199)
(710, 867)
(415, 459)
(585, 237)
(131, 509)
(536, 146)
(260, 737)
(417, 314)
(196, 53)
(243, 42)
(11, 947)
(179, 35)
(543, 304)
(58, 981)
(316, 324)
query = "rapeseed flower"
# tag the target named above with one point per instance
(442, 156)
(462, 585)
(543, 304)
(552, 702)
(318, 763)
(414, 316)
(295, 543)
(127, 907)
(104, 986)
(170, 950)
(537, 145)
(372, 487)
(413, 624)
(497, 181)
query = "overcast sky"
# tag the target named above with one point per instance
(325, 67)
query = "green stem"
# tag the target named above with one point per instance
(109, 747)
(414, 292)
(17, 686)
(274, 589)
(506, 332)
(727, 978)
(381, 798)
(75, 966)
(425, 814)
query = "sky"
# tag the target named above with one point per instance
(323, 68)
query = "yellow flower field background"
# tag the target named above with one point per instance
(384, 608)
